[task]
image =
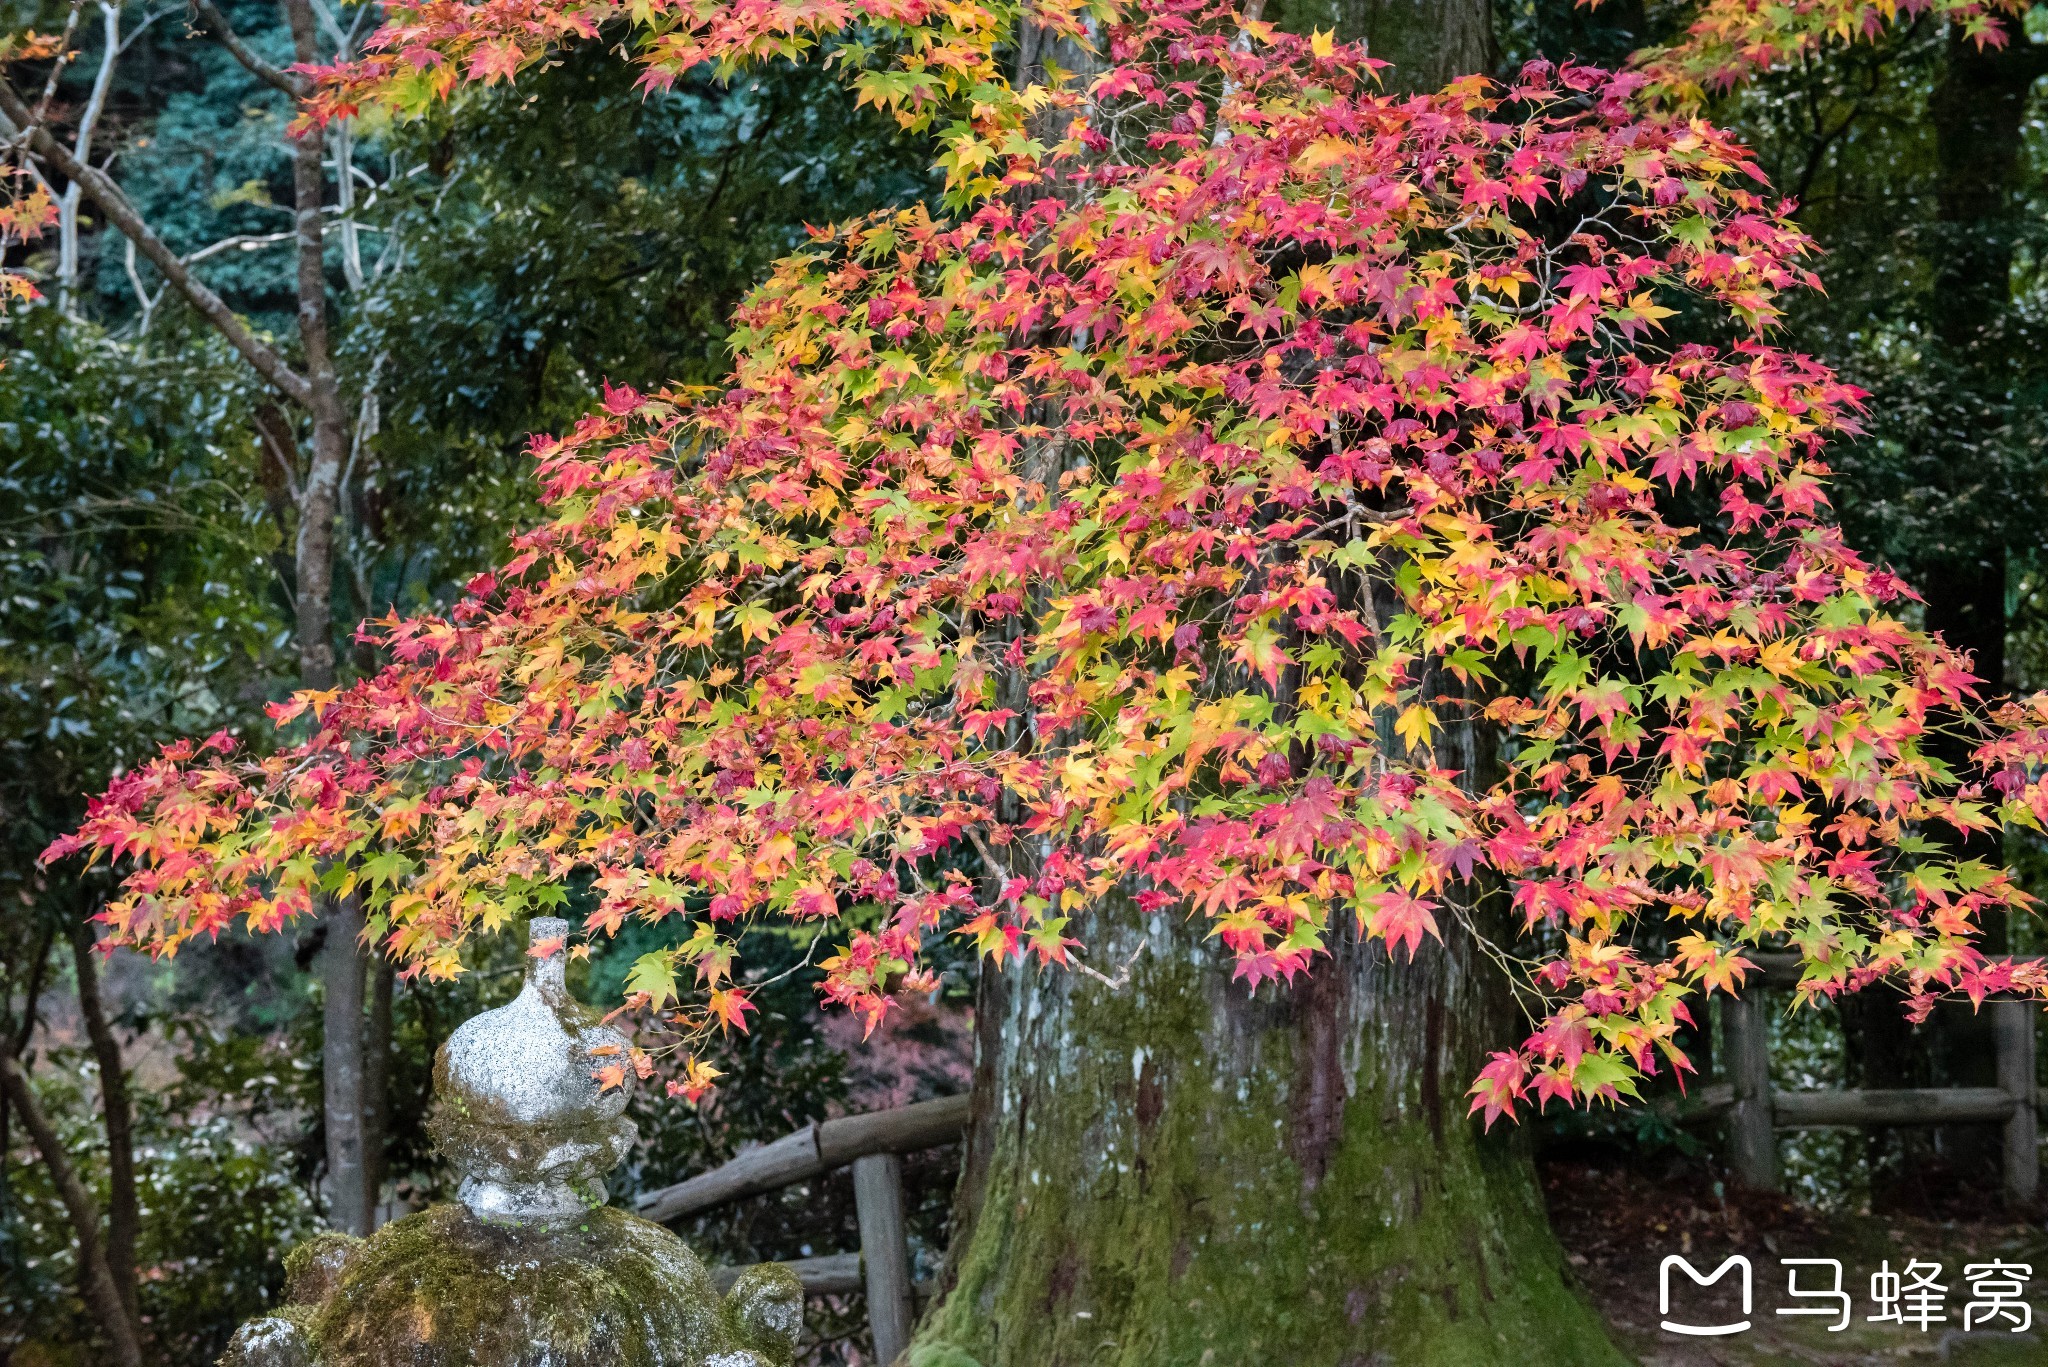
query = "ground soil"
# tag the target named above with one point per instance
(1619, 1216)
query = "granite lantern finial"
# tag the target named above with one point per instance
(528, 1267)
(518, 1110)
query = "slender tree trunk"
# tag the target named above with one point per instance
(320, 494)
(1979, 108)
(376, 1085)
(348, 1199)
(19, 1035)
(1430, 42)
(1185, 1172)
(123, 1210)
(96, 1282)
(319, 499)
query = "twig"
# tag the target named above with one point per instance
(17, 118)
(292, 85)
(1123, 975)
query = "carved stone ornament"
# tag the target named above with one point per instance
(529, 1268)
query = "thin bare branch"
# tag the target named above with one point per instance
(248, 242)
(143, 297)
(64, 55)
(224, 32)
(81, 147)
(16, 118)
(1123, 975)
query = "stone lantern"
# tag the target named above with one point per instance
(529, 1267)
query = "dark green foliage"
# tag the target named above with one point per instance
(1954, 365)
(609, 240)
(222, 1199)
(134, 590)
(145, 560)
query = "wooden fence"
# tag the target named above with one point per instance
(871, 1144)
(1756, 1111)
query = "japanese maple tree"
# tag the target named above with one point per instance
(1256, 514)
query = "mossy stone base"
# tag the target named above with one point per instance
(445, 1288)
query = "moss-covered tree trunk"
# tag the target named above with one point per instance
(1181, 1171)
(1167, 1169)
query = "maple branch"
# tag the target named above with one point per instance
(295, 86)
(98, 1282)
(16, 120)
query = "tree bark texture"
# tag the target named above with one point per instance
(377, 1079)
(1978, 108)
(348, 1196)
(124, 1217)
(320, 494)
(1430, 42)
(376, 1084)
(319, 501)
(1187, 1172)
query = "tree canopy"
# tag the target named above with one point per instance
(1254, 494)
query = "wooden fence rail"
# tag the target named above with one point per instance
(870, 1145)
(811, 1151)
(1756, 1110)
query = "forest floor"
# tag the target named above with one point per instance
(1621, 1219)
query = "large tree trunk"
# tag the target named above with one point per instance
(1978, 109)
(1167, 1168)
(1185, 1172)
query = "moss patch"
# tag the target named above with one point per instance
(1187, 1176)
(445, 1289)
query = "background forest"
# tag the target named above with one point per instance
(487, 271)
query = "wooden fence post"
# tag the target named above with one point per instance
(2012, 1030)
(884, 1251)
(1746, 1042)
